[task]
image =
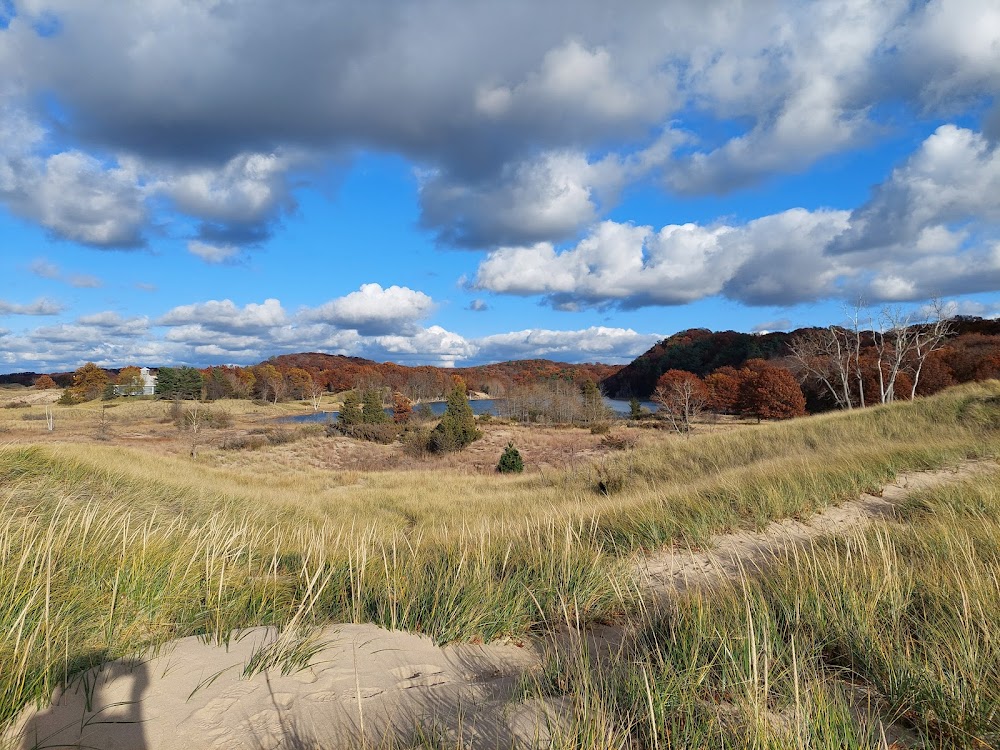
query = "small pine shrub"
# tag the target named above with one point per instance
(511, 461)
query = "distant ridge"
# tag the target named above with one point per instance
(701, 351)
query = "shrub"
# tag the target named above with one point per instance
(262, 437)
(416, 442)
(384, 433)
(17, 405)
(510, 461)
(600, 428)
(611, 478)
(70, 398)
(402, 408)
(619, 442)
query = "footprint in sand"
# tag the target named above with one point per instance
(419, 675)
(208, 715)
(306, 676)
(283, 700)
(265, 724)
(324, 696)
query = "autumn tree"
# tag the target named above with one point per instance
(298, 382)
(130, 382)
(89, 382)
(936, 374)
(723, 389)
(270, 382)
(681, 396)
(241, 380)
(402, 408)
(769, 392)
(44, 383)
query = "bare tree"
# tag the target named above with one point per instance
(829, 356)
(900, 343)
(315, 393)
(928, 336)
(681, 397)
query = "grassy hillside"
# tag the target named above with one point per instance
(108, 551)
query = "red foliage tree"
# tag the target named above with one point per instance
(769, 392)
(723, 389)
(936, 374)
(989, 367)
(402, 408)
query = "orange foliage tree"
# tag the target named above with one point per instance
(44, 383)
(130, 381)
(402, 408)
(299, 382)
(769, 392)
(723, 389)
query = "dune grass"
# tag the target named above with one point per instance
(109, 551)
(888, 635)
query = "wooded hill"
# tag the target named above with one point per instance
(339, 373)
(335, 372)
(972, 352)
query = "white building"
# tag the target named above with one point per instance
(148, 387)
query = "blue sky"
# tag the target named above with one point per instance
(214, 182)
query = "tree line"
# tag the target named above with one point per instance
(877, 357)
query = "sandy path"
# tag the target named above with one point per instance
(673, 570)
(367, 683)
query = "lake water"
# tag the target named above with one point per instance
(479, 406)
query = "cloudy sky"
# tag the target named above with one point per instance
(458, 181)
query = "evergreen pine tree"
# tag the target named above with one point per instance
(373, 411)
(457, 427)
(166, 382)
(350, 412)
(511, 461)
(189, 382)
(634, 408)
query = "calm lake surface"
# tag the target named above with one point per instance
(479, 406)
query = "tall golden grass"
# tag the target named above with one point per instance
(109, 551)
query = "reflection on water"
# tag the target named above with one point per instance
(479, 406)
